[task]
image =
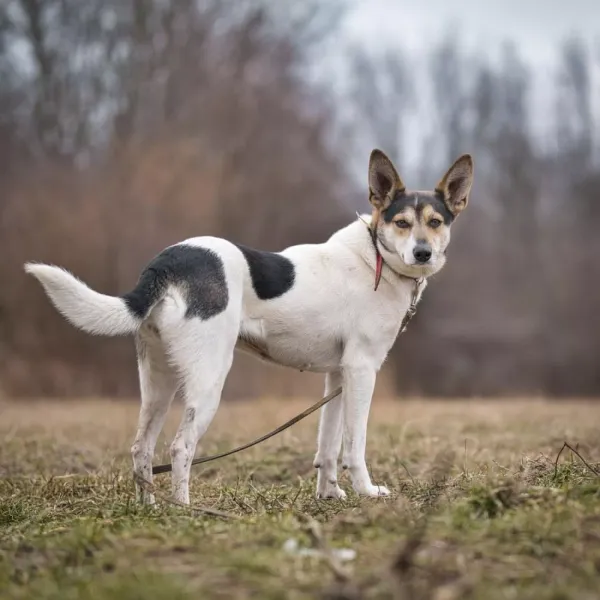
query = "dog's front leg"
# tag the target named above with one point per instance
(359, 383)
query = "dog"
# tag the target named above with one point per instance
(312, 307)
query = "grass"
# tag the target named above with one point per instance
(477, 508)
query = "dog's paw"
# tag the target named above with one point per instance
(330, 491)
(374, 491)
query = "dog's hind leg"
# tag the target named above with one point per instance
(203, 353)
(158, 384)
(330, 441)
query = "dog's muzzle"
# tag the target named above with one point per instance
(422, 253)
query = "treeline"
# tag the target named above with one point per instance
(127, 125)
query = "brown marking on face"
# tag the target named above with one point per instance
(431, 228)
(426, 228)
(429, 213)
(409, 216)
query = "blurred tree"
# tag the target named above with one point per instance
(382, 96)
(143, 122)
(574, 170)
(448, 83)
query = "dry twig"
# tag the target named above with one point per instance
(576, 453)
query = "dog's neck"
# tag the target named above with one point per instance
(359, 238)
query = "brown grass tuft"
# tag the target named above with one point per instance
(477, 509)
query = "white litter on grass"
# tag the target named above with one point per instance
(291, 546)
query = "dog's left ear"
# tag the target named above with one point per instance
(455, 185)
(384, 181)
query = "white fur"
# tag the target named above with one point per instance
(86, 309)
(331, 321)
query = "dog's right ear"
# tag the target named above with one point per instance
(384, 180)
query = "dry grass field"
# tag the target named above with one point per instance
(477, 508)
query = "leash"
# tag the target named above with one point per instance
(410, 313)
(204, 459)
(412, 309)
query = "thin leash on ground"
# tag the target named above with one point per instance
(204, 459)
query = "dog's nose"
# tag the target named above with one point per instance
(422, 253)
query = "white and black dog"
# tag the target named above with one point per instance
(310, 307)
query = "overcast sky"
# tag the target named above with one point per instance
(538, 27)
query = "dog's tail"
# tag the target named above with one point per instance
(88, 310)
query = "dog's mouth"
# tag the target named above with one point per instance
(422, 269)
(414, 268)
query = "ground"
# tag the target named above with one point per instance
(478, 509)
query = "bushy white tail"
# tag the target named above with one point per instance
(83, 307)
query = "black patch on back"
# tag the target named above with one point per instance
(272, 274)
(197, 272)
(418, 201)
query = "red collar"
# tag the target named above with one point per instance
(378, 257)
(412, 309)
(378, 267)
(379, 260)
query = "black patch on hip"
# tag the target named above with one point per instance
(272, 274)
(197, 272)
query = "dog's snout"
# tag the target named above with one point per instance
(422, 252)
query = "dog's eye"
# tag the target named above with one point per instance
(402, 224)
(435, 223)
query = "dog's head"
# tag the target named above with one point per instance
(413, 228)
